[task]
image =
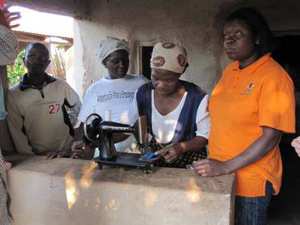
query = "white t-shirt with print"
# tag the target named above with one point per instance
(112, 99)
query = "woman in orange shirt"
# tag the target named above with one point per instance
(250, 108)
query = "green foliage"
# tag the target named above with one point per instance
(16, 71)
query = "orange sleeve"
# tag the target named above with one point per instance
(277, 103)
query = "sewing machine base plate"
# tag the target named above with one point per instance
(126, 160)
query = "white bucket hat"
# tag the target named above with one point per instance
(168, 56)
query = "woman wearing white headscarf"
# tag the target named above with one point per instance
(111, 96)
(176, 110)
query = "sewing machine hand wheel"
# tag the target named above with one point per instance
(90, 128)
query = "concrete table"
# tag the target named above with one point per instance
(76, 192)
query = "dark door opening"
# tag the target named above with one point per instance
(286, 206)
(287, 54)
(146, 57)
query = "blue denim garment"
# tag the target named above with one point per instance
(253, 210)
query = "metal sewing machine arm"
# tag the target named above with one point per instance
(100, 133)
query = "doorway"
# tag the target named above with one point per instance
(146, 58)
(285, 207)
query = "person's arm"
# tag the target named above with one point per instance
(81, 149)
(296, 144)
(172, 152)
(6, 18)
(196, 143)
(71, 109)
(78, 132)
(74, 104)
(15, 124)
(267, 141)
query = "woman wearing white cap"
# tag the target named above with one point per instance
(8, 52)
(176, 110)
(111, 96)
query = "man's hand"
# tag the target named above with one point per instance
(7, 18)
(210, 168)
(81, 150)
(58, 154)
(296, 144)
(170, 153)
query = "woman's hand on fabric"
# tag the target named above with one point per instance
(170, 153)
(210, 168)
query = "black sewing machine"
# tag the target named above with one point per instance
(100, 133)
